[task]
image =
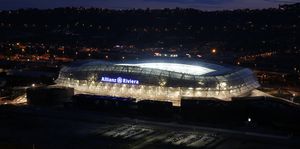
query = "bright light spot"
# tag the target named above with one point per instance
(249, 119)
(180, 68)
(188, 55)
(33, 85)
(157, 54)
(201, 83)
(214, 51)
(223, 84)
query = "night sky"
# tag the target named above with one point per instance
(127, 4)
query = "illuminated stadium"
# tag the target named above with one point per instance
(158, 80)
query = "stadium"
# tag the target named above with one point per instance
(158, 80)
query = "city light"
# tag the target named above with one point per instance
(171, 74)
(213, 51)
(249, 119)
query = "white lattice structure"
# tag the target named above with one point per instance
(159, 80)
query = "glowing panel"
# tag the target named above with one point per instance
(119, 80)
(180, 68)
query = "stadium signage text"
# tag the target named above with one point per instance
(119, 80)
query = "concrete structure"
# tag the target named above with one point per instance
(49, 96)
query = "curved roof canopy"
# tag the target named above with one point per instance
(174, 67)
(183, 67)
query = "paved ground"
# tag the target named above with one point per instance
(52, 128)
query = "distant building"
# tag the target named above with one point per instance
(159, 80)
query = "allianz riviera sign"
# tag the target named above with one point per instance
(119, 80)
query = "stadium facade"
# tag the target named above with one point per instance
(158, 80)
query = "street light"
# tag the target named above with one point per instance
(214, 50)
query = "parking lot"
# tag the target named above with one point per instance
(146, 136)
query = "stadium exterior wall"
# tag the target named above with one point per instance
(162, 81)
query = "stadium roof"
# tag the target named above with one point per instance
(180, 68)
(189, 67)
